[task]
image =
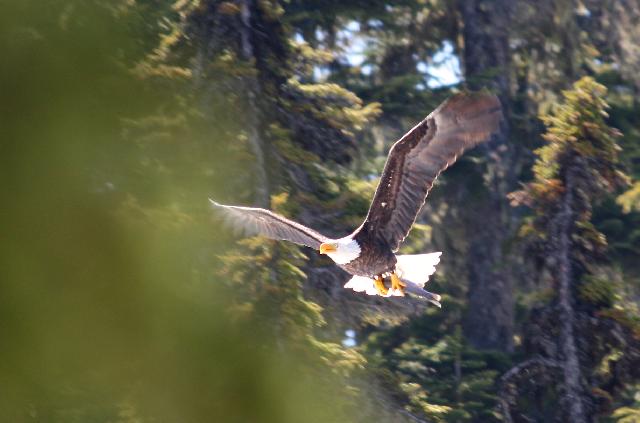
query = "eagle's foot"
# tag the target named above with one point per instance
(397, 286)
(379, 284)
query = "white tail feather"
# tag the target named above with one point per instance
(362, 284)
(417, 268)
(412, 269)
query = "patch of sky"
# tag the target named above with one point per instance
(442, 70)
(321, 73)
(366, 70)
(581, 10)
(353, 43)
(349, 338)
(375, 23)
(353, 26)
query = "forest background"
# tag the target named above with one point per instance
(123, 299)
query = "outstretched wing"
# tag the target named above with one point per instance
(416, 160)
(255, 221)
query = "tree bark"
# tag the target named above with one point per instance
(253, 116)
(573, 395)
(489, 320)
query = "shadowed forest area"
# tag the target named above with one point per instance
(123, 299)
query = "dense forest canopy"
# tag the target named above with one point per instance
(123, 299)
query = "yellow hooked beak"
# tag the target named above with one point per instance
(326, 248)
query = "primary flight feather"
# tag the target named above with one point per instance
(413, 164)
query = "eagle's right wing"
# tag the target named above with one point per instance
(256, 221)
(416, 160)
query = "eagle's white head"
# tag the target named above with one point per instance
(342, 251)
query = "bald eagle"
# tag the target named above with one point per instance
(413, 164)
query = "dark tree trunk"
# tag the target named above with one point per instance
(253, 116)
(211, 31)
(573, 396)
(489, 321)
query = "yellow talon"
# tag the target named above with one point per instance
(397, 284)
(379, 284)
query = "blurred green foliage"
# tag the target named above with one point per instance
(112, 304)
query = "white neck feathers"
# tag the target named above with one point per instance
(347, 250)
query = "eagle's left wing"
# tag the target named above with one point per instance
(416, 160)
(256, 221)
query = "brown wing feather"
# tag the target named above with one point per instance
(416, 160)
(256, 221)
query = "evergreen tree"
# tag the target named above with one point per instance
(573, 337)
(435, 374)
